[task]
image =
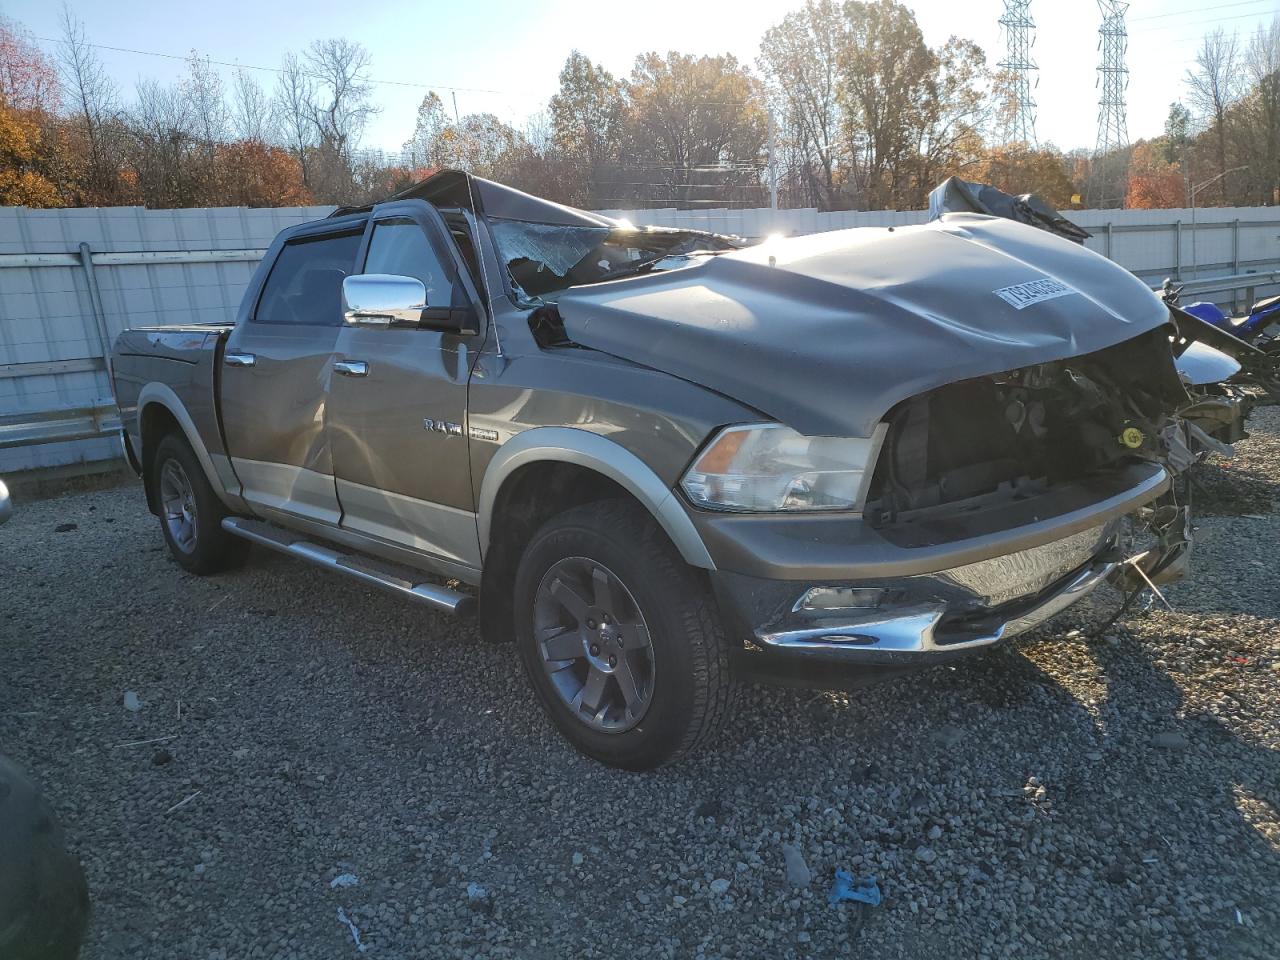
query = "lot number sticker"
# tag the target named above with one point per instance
(1033, 291)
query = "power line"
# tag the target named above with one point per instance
(1199, 23)
(1193, 11)
(235, 64)
(250, 66)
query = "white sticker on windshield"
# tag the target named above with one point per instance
(1033, 291)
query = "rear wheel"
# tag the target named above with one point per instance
(190, 512)
(620, 638)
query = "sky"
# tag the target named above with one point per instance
(504, 57)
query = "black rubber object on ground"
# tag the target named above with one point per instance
(44, 900)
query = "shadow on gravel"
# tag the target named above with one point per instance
(1163, 791)
(1139, 806)
(1226, 489)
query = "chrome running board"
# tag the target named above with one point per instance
(395, 579)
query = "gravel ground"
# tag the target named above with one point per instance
(1061, 797)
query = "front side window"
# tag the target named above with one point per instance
(305, 283)
(400, 247)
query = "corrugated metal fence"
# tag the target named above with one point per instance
(71, 280)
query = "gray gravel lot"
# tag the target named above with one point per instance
(1062, 797)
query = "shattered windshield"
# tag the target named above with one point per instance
(544, 259)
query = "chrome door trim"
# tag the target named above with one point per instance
(289, 489)
(420, 525)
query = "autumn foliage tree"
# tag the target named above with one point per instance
(1017, 168)
(29, 164)
(1154, 182)
(250, 173)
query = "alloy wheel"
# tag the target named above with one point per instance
(594, 644)
(177, 500)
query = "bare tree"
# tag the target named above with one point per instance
(206, 106)
(292, 107)
(341, 106)
(1215, 87)
(94, 105)
(800, 58)
(164, 135)
(1258, 127)
(426, 147)
(252, 114)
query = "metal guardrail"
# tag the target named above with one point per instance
(133, 257)
(56, 426)
(98, 420)
(1236, 281)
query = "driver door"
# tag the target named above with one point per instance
(397, 406)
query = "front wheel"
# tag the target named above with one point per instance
(620, 638)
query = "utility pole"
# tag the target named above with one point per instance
(773, 162)
(1113, 77)
(1019, 37)
(1195, 262)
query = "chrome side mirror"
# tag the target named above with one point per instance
(6, 505)
(382, 300)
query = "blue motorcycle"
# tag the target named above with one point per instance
(1251, 329)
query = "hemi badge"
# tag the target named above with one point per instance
(480, 433)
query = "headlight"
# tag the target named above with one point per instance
(770, 467)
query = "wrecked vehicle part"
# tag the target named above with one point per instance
(1023, 433)
(1157, 547)
(1202, 365)
(827, 332)
(1202, 348)
(542, 260)
(954, 195)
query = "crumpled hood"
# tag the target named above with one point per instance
(827, 332)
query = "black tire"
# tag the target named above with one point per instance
(690, 689)
(210, 549)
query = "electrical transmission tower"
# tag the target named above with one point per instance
(1111, 155)
(1019, 35)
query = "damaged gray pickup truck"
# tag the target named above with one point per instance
(661, 460)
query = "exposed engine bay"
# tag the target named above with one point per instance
(1025, 431)
(1023, 435)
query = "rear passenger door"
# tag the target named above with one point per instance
(275, 377)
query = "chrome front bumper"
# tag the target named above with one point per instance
(899, 635)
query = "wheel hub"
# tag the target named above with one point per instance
(604, 647)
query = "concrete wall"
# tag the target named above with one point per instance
(155, 266)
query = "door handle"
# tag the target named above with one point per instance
(351, 368)
(240, 359)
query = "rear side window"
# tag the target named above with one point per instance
(305, 283)
(400, 247)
